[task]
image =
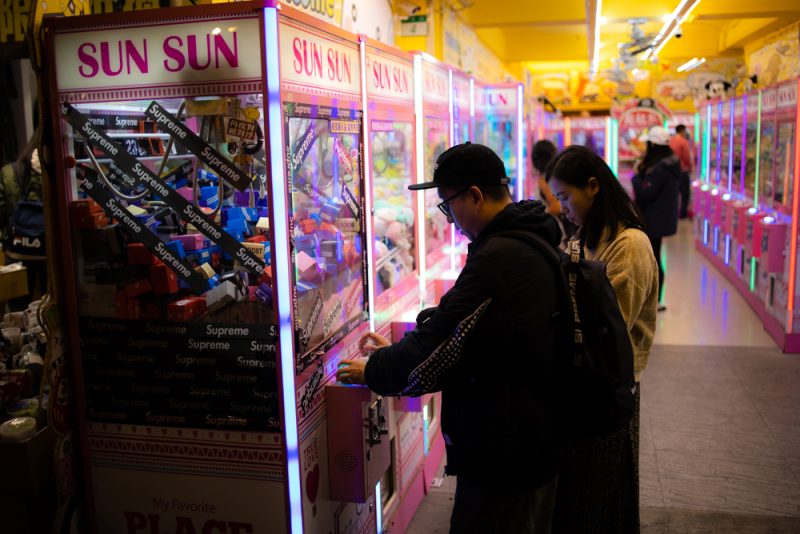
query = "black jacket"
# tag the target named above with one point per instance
(490, 347)
(656, 194)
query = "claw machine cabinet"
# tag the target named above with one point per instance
(433, 105)
(504, 115)
(391, 145)
(344, 454)
(779, 241)
(164, 234)
(555, 130)
(462, 111)
(479, 126)
(591, 133)
(765, 190)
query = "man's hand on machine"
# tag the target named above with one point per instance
(352, 371)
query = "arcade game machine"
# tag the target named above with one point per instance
(391, 145)
(504, 117)
(214, 249)
(764, 190)
(779, 229)
(433, 107)
(480, 131)
(721, 194)
(463, 130)
(733, 198)
(747, 213)
(591, 133)
(555, 130)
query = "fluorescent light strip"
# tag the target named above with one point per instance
(718, 170)
(730, 146)
(668, 30)
(691, 64)
(420, 158)
(520, 141)
(795, 214)
(595, 59)
(282, 261)
(451, 114)
(367, 184)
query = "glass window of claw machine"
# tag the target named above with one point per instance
(164, 233)
(504, 115)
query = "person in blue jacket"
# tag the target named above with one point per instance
(490, 348)
(656, 188)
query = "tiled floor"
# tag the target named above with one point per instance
(720, 429)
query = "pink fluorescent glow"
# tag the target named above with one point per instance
(795, 215)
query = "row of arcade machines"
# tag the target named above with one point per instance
(233, 215)
(604, 136)
(746, 202)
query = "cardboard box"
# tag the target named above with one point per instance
(13, 281)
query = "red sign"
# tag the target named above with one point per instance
(640, 118)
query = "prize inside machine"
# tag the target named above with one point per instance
(589, 132)
(725, 163)
(505, 124)
(166, 254)
(433, 139)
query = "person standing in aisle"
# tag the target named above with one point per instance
(489, 349)
(656, 189)
(679, 143)
(542, 153)
(598, 482)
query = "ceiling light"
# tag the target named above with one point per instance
(691, 64)
(594, 58)
(674, 21)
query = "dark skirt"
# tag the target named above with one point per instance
(598, 485)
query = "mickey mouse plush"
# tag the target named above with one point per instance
(717, 89)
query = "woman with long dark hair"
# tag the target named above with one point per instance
(656, 187)
(598, 485)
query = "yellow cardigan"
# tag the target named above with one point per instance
(632, 270)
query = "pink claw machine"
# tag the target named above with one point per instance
(505, 118)
(392, 148)
(779, 230)
(209, 171)
(433, 105)
(479, 127)
(591, 132)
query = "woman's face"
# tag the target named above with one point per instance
(575, 201)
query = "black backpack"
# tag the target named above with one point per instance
(597, 352)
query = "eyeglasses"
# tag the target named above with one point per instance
(444, 205)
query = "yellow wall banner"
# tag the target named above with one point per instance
(776, 60)
(328, 10)
(463, 49)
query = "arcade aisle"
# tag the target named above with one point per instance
(720, 425)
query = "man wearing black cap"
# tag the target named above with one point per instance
(490, 347)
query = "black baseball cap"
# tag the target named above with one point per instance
(466, 164)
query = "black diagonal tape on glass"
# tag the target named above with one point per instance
(301, 149)
(350, 201)
(168, 123)
(185, 209)
(94, 188)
